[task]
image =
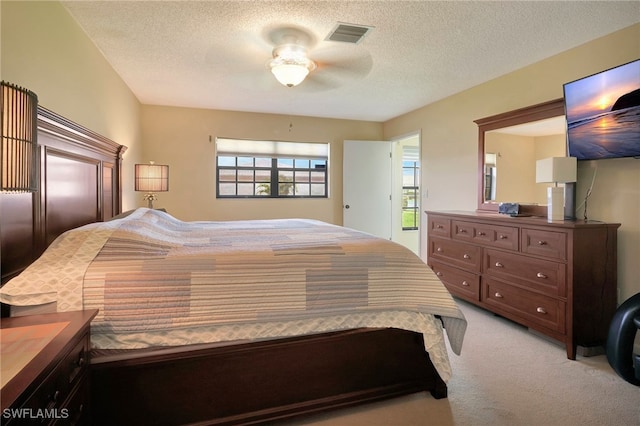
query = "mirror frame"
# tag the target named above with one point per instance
(528, 114)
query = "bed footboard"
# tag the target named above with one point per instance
(263, 381)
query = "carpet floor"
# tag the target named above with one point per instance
(507, 375)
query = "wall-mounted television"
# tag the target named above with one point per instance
(603, 114)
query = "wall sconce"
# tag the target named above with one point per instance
(556, 170)
(19, 133)
(151, 178)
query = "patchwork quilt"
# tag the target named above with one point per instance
(157, 280)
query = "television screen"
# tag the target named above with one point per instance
(603, 114)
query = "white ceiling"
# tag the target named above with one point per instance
(213, 54)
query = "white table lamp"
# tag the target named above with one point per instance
(151, 178)
(556, 170)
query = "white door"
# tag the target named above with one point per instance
(367, 187)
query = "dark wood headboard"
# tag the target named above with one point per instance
(80, 183)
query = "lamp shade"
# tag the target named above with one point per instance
(152, 177)
(556, 170)
(19, 133)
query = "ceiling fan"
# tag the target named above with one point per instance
(297, 59)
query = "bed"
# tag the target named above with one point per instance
(224, 322)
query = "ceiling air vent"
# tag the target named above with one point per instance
(348, 33)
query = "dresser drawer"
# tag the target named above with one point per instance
(462, 255)
(544, 276)
(535, 308)
(439, 226)
(544, 243)
(77, 406)
(505, 237)
(57, 387)
(458, 282)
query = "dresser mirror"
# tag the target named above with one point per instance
(509, 145)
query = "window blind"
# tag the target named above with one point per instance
(410, 153)
(271, 149)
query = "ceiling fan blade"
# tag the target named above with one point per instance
(352, 68)
(319, 82)
(331, 74)
(261, 80)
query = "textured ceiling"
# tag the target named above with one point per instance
(213, 54)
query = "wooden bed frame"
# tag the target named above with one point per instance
(245, 383)
(256, 382)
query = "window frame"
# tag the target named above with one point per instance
(415, 167)
(298, 166)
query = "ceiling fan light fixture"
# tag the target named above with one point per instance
(290, 74)
(290, 65)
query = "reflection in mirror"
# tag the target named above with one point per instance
(490, 175)
(511, 154)
(509, 145)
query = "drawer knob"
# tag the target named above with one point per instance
(466, 256)
(463, 231)
(498, 295)
(499, 265)
(541, 275)
(439, 226)
(482, 233)
(541, 310)
(55, 396)
(502, 237)
(439, 249)
(542, 243)
(439, 274)
(464, 283)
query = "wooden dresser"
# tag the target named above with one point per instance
(45, 369)
(557, 278)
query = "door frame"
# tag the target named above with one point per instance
(397, 190)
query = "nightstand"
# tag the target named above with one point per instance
(45, 363)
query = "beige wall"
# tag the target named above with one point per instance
(515, 167)
(184, 138)
(450, 137)
(45, 51)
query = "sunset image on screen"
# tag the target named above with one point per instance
(596, 94)
(603, 114)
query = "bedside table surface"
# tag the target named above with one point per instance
(31, 346)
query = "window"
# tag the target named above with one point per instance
(255, 169)
(410, 188)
